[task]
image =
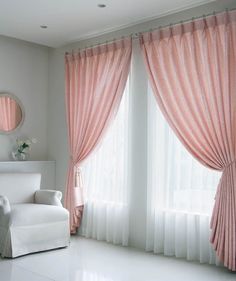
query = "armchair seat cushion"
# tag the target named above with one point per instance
(34, 214)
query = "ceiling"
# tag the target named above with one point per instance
(73, 20)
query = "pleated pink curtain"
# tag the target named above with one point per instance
(192, 69)
(8, 114)
(95, 82)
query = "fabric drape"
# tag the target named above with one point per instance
(106, 182)
(95, 82)
(192, 69)
(180, 195)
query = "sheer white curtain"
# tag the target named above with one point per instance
(106, 213)
(180, 195)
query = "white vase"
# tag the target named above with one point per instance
(20, 156)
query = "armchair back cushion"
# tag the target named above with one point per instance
(19, 187)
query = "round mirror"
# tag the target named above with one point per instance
(11, 113)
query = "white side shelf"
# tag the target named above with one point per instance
(45, 168)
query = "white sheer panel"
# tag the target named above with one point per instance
(105, 183)
(180, 195)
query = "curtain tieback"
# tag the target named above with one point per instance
(230, 163)
(77, 173)
(78, 177)
(72, 160)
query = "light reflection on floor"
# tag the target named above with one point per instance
(90, 260)
(90, 276)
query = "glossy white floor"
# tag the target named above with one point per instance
(89, 260)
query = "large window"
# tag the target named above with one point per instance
(179, 181)
(105, 182)
(180, 191)
(180, 194)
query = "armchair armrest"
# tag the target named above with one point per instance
(4, 205)
(48, 197)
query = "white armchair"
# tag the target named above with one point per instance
(31, 219)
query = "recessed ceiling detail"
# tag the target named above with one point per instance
(73, 20)
(102, 6)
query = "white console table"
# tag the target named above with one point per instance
(46, 168)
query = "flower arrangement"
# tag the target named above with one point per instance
(22, 148)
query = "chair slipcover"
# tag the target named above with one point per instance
(25, 226)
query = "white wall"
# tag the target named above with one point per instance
(24, 73)
(58, 146)
(57, 134)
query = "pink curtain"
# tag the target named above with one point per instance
(9, 114)
(95, 82)
(192, 69)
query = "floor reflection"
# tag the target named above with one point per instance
(90, 260)
(91, 276)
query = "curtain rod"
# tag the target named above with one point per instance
(136, 35)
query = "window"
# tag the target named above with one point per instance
(180, 194)
(105, 182)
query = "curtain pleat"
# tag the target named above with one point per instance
(192, 70)
(106, 188)
(95, 81)
(180, 195)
